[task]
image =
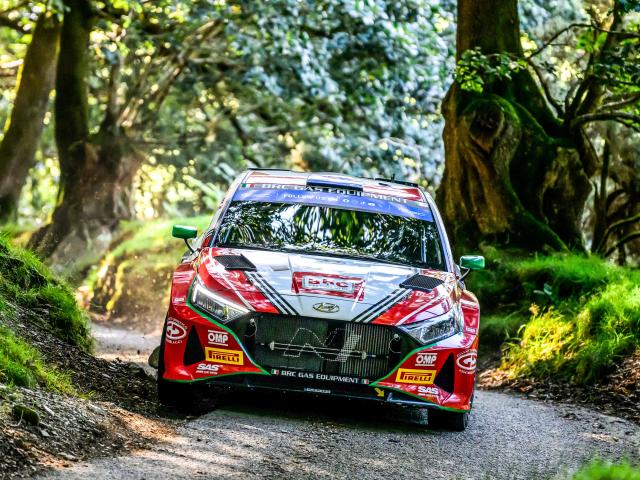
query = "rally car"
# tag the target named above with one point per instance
(325, 284)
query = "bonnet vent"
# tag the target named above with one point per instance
(421, 282)
(235, 262)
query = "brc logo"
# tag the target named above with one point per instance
(416, 377)
(325, 283)
(328, 284)
(217, 338)
(231, 357)
(426, 359)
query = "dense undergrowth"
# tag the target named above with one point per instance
(568, 316)
(134, 276)
(30, 292)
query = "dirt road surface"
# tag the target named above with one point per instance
(297, 437)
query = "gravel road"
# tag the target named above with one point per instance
(299, 437)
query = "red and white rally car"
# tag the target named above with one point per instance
(326, 284)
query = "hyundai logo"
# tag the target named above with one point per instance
(326, 307)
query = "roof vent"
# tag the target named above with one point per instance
(333, 182)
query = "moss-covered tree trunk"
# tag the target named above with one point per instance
(22, 134)
(96, 171)
(513, 175)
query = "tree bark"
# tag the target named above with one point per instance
(96, 171)
(22, 135)
(513, 175)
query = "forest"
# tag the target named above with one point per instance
(521, 118)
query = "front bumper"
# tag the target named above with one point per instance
(311, 356)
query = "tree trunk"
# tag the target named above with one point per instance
(512, 173)
(22, 135)
(96, 172)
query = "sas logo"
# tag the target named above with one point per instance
(217, 338)
(428, 391)
(416, 377)
(426, 359)
(231, 357)
(326, 307)
(176, 331)
(207, 368)
(467, 361)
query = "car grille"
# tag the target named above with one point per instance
(324, 346)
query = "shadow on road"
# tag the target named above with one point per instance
(345, 412)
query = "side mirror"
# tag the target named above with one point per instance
(185, 232)
(472, 262)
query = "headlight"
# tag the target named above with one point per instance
(216, 306)
(438, 328)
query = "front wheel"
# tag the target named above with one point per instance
(456, 421)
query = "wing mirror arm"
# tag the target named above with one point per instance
(466, 272)
(185, 233)
(191, 249)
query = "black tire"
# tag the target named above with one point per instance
(456, 421)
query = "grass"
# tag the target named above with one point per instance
(600, 470)
(27, 285)
(566, 316)
(21, 365)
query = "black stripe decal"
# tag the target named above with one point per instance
(388, 306)
(265, 292)
(271, 295)
(276, 294)
(381, 304)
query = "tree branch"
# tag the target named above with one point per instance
(613, 227)
(621, 242)
(545, 87)
(624, 118)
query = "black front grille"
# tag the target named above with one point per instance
(324, 346)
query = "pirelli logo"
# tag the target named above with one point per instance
(416, 377)
(218, 355)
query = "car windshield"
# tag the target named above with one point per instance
(331, 231)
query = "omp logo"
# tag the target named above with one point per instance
(175, 332)
(416, 377)
(426, 359)
(305, 340)
(467, 361)
(231, 357)
(217, 338)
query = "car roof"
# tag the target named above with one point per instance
(369, 185)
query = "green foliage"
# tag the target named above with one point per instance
(475, 69)
(22, 365)
(139, 237)
(28, 287)
(601, 470)
(574, 317)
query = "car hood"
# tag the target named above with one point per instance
(324, 287)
